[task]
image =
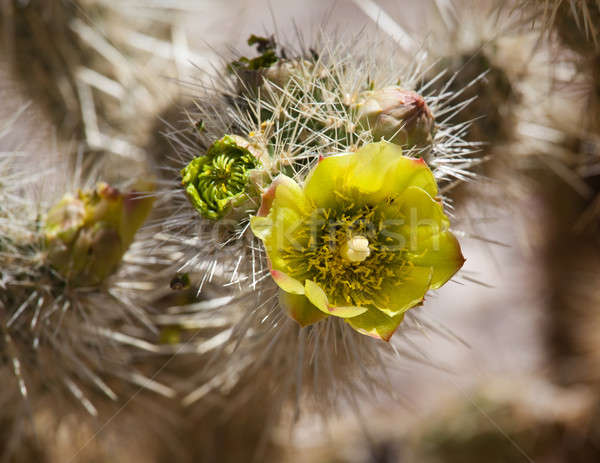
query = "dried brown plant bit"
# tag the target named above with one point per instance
(180, 281)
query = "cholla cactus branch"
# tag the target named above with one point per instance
(60, 328)
(293, 108)
(575, 22)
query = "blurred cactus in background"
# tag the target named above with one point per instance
(96, 67)
(71, 314)
(87, 234)
(574, 22)
(569, 188)
(494, 424)
(473, 55)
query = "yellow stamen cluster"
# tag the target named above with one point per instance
(349, 253)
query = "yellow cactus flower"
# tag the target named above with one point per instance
(364, 239)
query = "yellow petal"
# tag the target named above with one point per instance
(285, 192)
(395, 299)
(442, 253)
(289, 194)
(327, 178)
(377, 171)
(381, 172)
(261, 227)
(373, 164)
(317, 296)
(287, 283)
(376, 324)
(300, 309)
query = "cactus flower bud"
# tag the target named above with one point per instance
(218, 180)
(398, 116)
(88, 233)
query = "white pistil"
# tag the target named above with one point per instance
(356, 249)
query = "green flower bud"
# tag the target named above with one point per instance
(219, 180)
(398, 116)
(88, 233)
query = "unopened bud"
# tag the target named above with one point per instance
(398, 116)
(219, 179)
(88, 233)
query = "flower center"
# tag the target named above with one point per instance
(351, 251)
(222, 177)
(356, 249)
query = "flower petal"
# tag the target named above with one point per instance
(282, 237)
(286, 192)
(442, 253)
(347, 311)
(276, 230)
(284, 204)
(290, 194)
(381, 172)
(378, 171)
(395, 299)
(407, 172)
(261, 227)
(327, 178)
(300, 309)
(376, 324)
(423, 217)
(287, 283)
(317, 296)
(373, 165)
